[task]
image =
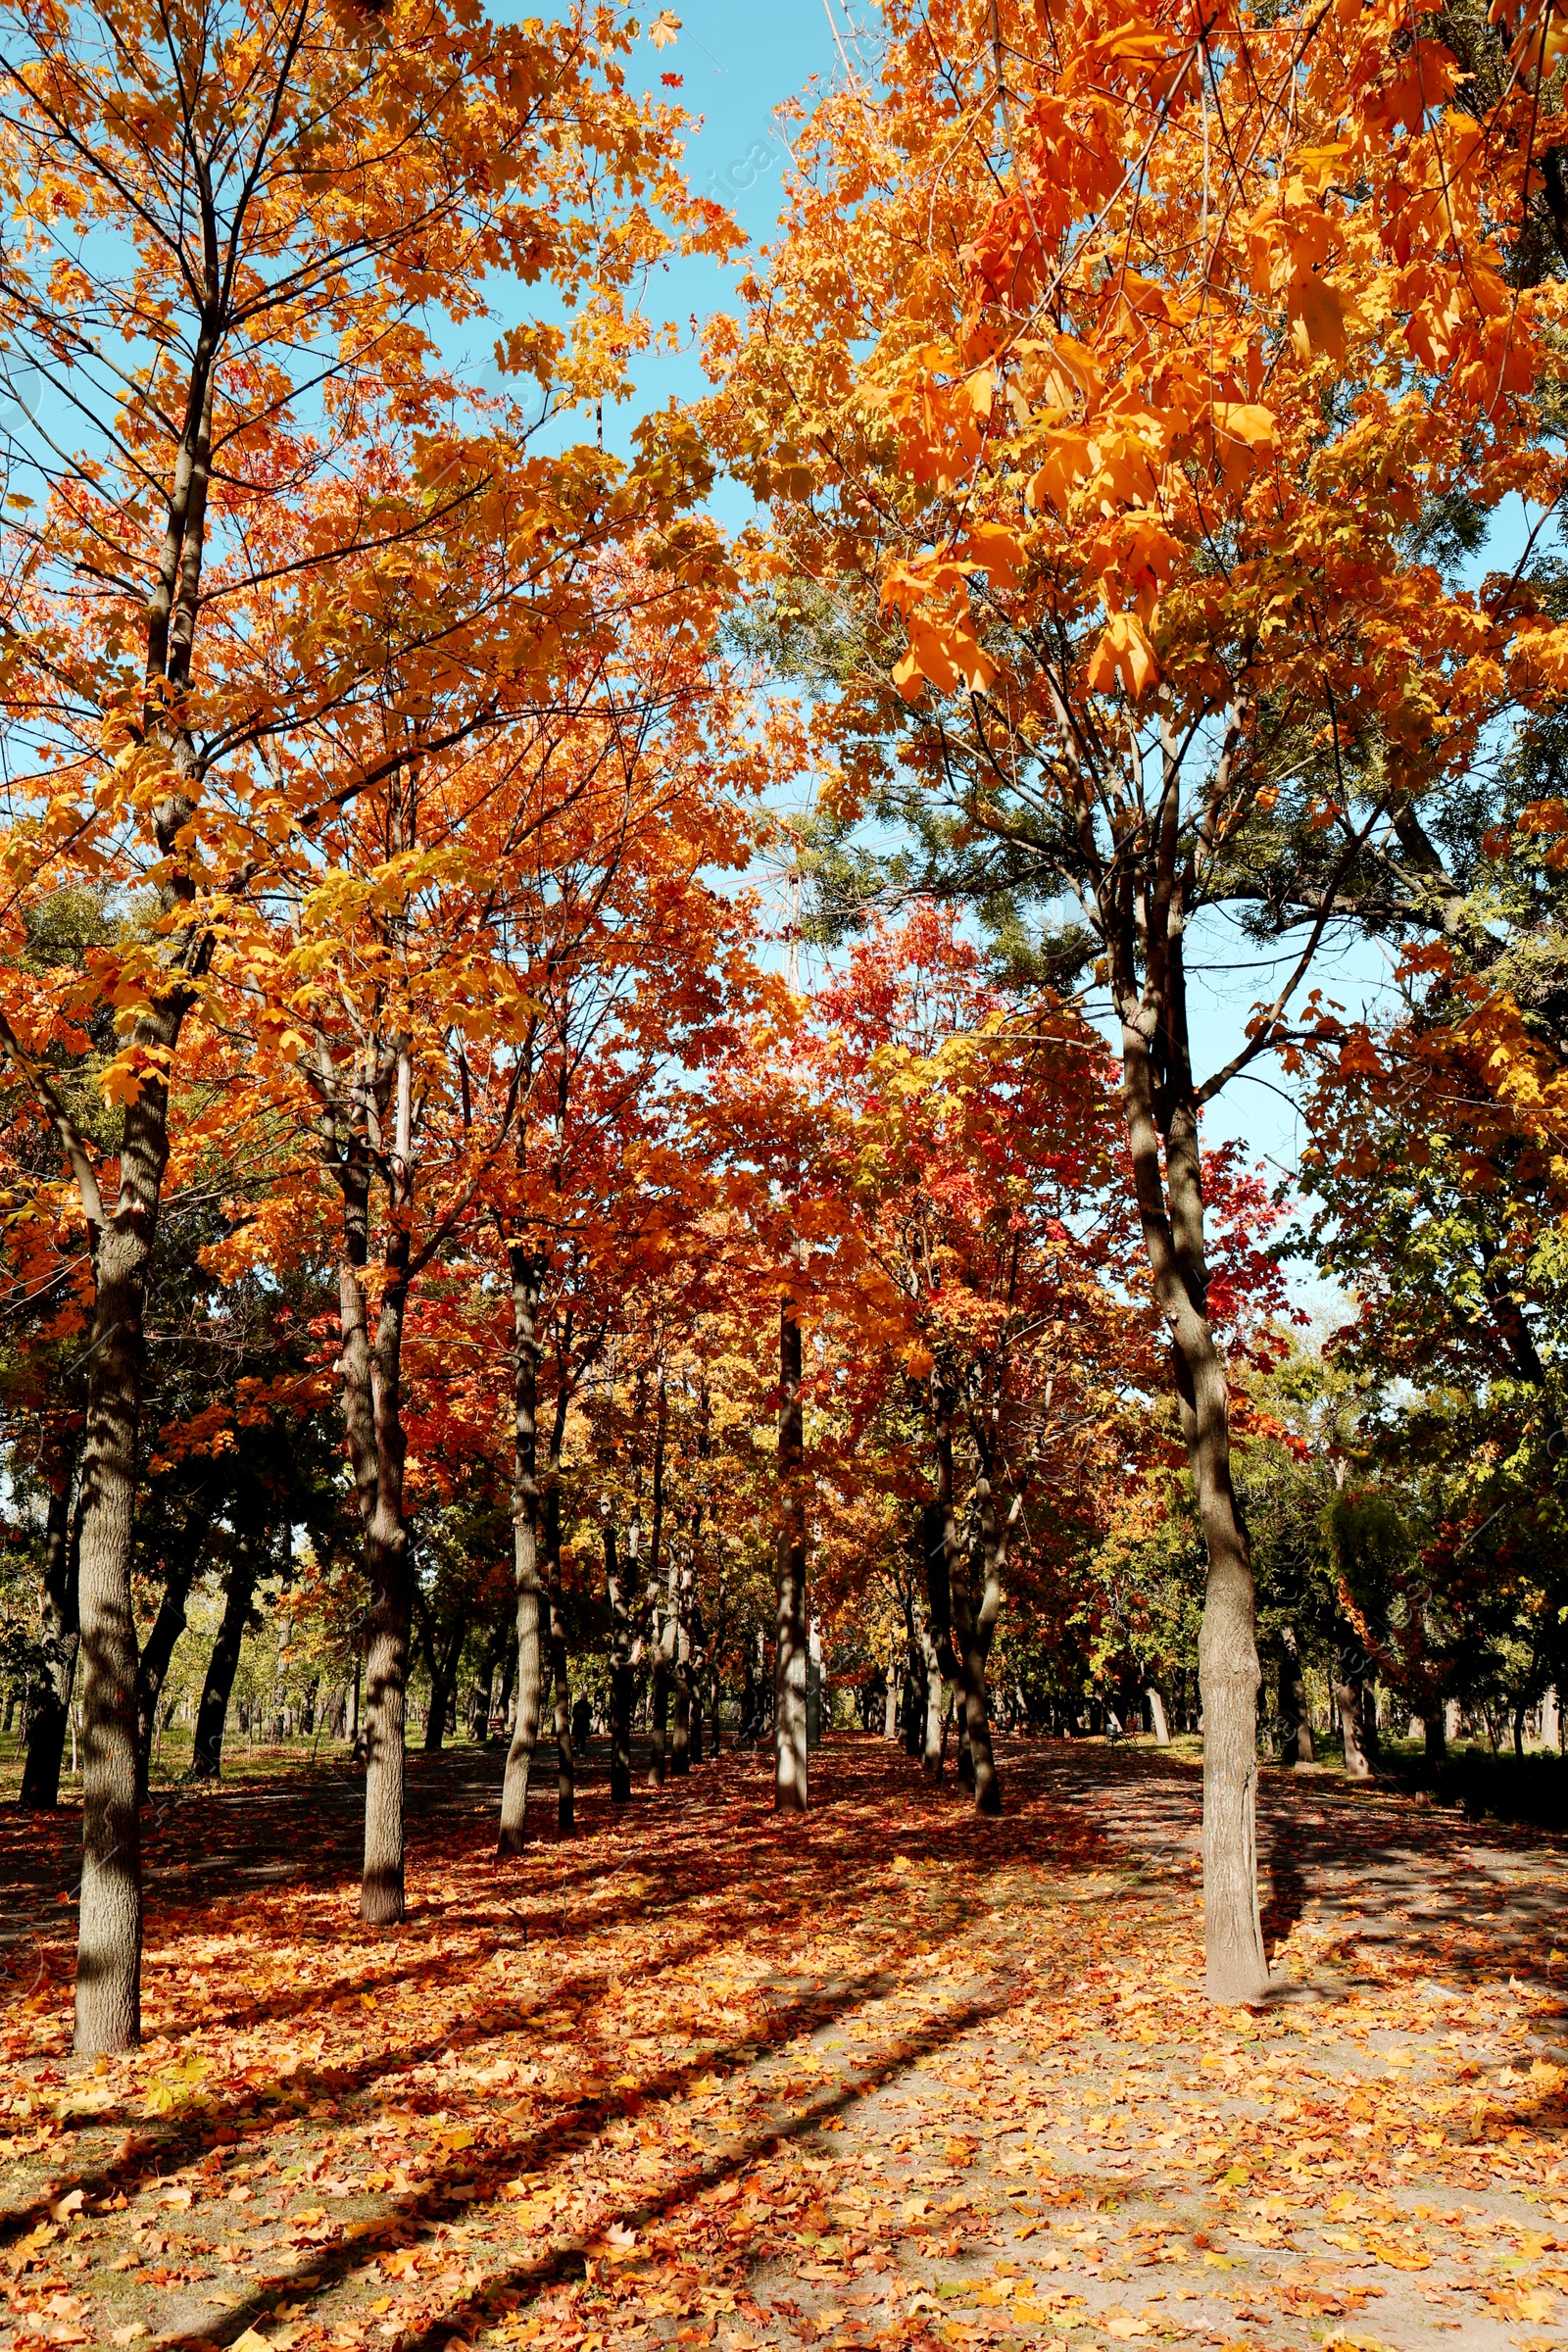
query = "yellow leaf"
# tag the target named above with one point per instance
(997, 551)
(1125, 653)
(1242, 422)
(1398, 2258)
(121, 1082)
(663, 29)
(1319, 316)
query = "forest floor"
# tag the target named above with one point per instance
(891, 2076)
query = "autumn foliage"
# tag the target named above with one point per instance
(621, 1148)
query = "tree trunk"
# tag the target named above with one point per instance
(443, 1664)
(48, 1717)
(527, 1281)
(212, 1713)
(973, 1631)
(913, 1686)
(1156, 1715)
(890, 1704)
(509, 1682)
(659, 1710)
(665, 1634)
(1173, 1234)
(388, 1617)
(695, 1680)
(680, 1748)
(1296, 1720)
(350, 1705)
(109, 1928)
(481, 1703)
(153, 1670)
(790, 1659)
(938, 1628)
(109, 1920)
(370, 1377)
(621, 1688)
(565, 1768)
(1348, 1698)
(934, 1747)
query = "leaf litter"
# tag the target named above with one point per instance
(893, 2076)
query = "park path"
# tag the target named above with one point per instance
(891, 2076)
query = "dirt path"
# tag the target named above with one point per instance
(893, 2076)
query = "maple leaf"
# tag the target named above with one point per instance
(1125, 654)
(663, 29)
(121, 1082)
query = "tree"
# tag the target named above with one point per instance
(1099, 395)
(231, 228)
(977, 1147)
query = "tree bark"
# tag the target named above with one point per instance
(109, 1920)
(212, 1713)
(659, 1709)
(1156, 1715)
(372, 1388)
(620, 1689)
(688, 1643)
(1348, 1698)
(664, 1633)
(696, 1678)
(1170, 1205)
(565, 1763)
(442, 1662)
(527, 1282)
(913, 1681)
(152, 1671)
(508, 1680)
(974, 1632)
(109, 1931)
(108, 2005)
(680, 1746)
(566, 1769)
(790, 1662)
(351, 1709)
(937, 1631)
(49, 1713)
(1296, 1727)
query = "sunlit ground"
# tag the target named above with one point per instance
(891, 2076)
